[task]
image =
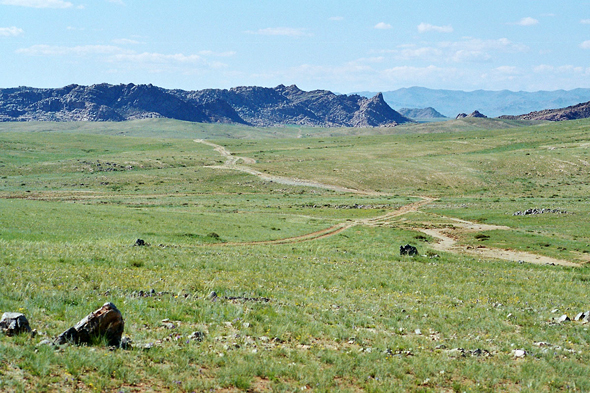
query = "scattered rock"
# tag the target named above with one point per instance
(13, 323)
(580, 316)
(106, 322)
(408, 250)
(535, 211)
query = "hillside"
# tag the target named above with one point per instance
(492, 103)
(258, 106)
(421, 113)
(574, 112)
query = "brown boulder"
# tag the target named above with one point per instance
(106, 322)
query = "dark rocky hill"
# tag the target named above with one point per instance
(421, 113)
(257, 106)
(580, 111)
(477, 114)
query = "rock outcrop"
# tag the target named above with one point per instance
(476, 114)
(574, 112)
(251, 105)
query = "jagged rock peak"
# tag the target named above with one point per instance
(475, 113)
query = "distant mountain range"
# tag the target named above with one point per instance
(492, 103)
(258, 106)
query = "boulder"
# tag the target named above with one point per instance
(13, 323)
(106, 322)
(140, 243)
(408, 250)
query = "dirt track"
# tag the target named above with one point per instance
(446, 241)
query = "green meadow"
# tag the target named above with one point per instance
(312, 293)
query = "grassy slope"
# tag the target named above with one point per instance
(344, 310)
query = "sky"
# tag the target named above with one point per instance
(340, 45)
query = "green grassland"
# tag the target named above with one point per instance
(340, 311)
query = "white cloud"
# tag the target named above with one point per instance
(10, 31)
(426, 27)
(38, 3)
(83, 50)
(528, 21)
(506, 70)
(585, 21)
(469, 50)
(564, 69)
(336, 18)
(132, 60)
(476, 44)
(281, 31)
(120, 2)
(217, 54)
(125, 41)
(585, 45)
(383, 26)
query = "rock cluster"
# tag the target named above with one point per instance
(580, 317)
(538, 211)
(477, 114)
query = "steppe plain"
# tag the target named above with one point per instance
(297, 231)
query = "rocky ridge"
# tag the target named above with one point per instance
(580, 111)
(251, 105)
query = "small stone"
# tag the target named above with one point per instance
(125, 343)
(212, 296)
(197, 336)
(13, 323)
(563, 318)
(418, 332)
(147, 346)
(579, 317)
(140, 243)
(519, 353)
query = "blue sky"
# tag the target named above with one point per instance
(339, 45)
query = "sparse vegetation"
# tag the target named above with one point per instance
(340, 312)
